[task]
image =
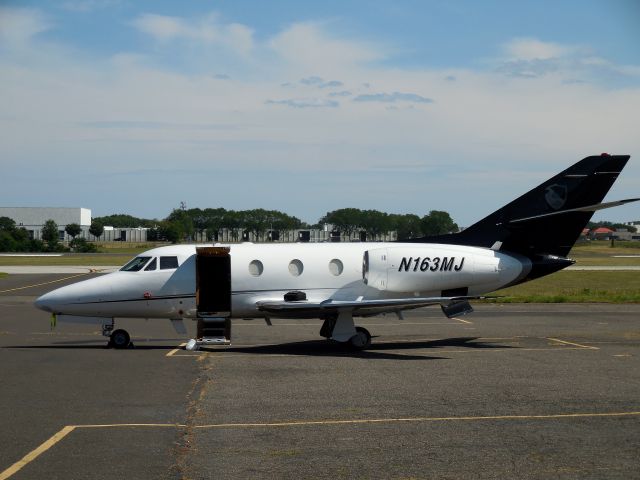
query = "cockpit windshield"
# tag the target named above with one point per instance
(135, 265)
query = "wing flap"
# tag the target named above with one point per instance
(358, 307)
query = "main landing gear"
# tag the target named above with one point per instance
(342, 329)
(117, 338)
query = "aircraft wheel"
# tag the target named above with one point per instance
(120, 339)
(361, 340)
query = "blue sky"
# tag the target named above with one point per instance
(403, 106)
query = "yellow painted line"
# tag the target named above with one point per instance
(31, 456)
(44, 283)
(418, 420)
(461, 320)
(175, 350)
(121, 425)
(572, 343)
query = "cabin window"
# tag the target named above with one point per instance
(167, 263)
(153, 264)
(296, 267)
(336, 267)
(256, 268)
(135, 265)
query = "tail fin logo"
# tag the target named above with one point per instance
(556, 196)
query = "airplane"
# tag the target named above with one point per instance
(528, 238)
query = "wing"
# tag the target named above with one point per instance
(360, 308)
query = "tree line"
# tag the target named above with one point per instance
(17, 239)
(183, 224)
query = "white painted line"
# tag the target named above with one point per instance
(572, 343)
(461, 320)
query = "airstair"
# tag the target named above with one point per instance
(213, 297)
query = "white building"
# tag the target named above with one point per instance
(34, 218)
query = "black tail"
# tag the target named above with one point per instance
(548, 219)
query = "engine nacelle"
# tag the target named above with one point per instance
(438, 267)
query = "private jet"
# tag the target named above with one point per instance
(335, 282)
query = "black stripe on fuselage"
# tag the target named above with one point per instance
(177, 297)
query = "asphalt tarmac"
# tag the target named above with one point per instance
(511, 391)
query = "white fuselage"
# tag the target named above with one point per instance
(266, 272)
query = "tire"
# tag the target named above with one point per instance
(361, 340)
(120, 339)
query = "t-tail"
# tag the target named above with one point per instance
(544, 223)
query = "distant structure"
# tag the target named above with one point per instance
(33, 219)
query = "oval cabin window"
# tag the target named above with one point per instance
(256, 268)
(296, 268)
(336, 267)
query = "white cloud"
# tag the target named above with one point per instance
(534, 49)
(392, 98)
(308, 47)
(533, 58)
(19, 25)
(305, 102)
(206, 31)
(131, 113)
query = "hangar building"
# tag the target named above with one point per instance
(34, 218)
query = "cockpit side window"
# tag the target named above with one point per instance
(167, 263)
(135, 265)
(153, 264)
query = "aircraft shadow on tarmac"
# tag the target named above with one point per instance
(320, 348)
(375, 351)
(146, 344)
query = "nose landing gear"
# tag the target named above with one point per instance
(117, 338)
(120, 339)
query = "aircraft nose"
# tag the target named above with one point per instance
(45, 302)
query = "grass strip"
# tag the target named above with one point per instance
(576, 287)
(79, 259)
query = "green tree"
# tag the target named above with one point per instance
(7, 224)
(346, 220)
(438, 222)
(183, 223)
(7, 242)
(73, 229)
(406, 226)
(50, 234)
(96, 229)
(121, 220)
(81, 245)
(375, 223)
(171, 231)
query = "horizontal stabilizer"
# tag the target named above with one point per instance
(589, 208)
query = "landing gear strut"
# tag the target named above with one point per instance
(342, 329)
(117, 338)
